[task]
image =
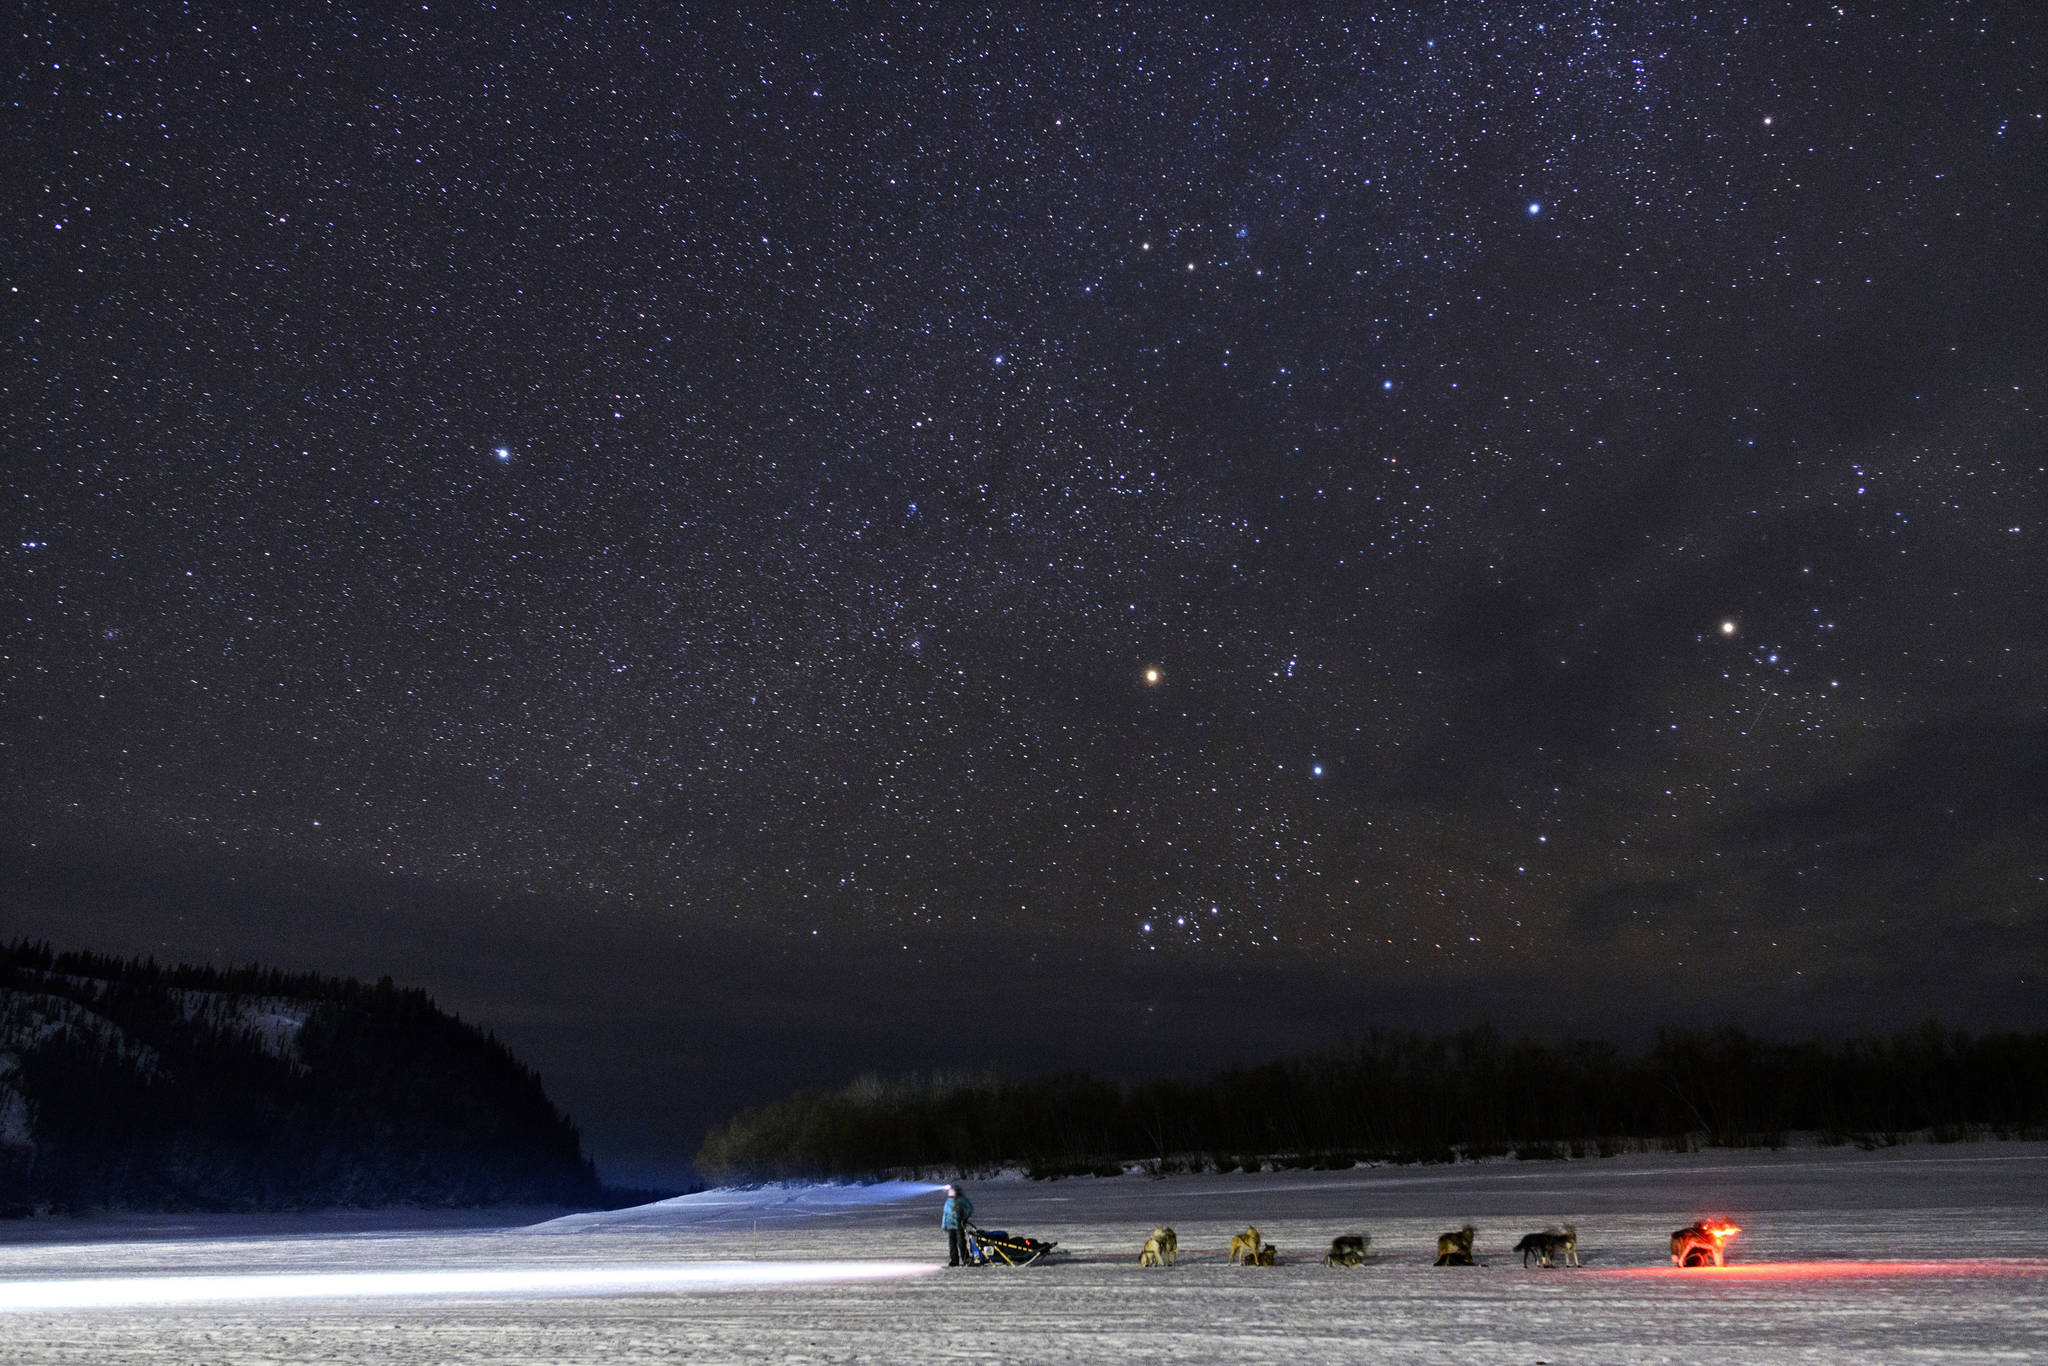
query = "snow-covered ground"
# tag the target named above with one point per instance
(1910, 1254)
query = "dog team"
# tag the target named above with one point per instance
(1547, 1247)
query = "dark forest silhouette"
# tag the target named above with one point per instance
(129, 1085)
(1407, 1097)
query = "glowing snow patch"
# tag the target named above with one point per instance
(106, 1292)
(800, 1195)
(873, 1193)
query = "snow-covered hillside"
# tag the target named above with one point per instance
(1918, 1254)
(32, 1019)
(128, 1085)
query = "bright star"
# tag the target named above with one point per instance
(504, 454)
(1317, 770)
(1535, 207)
(1151, 675)
(1728, 627)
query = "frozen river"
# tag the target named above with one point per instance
(1909, 1254)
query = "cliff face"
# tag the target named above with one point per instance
(130, 1086)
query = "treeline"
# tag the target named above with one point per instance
(1406, 1097)
(134, 1086)
(248, 980)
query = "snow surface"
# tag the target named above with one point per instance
(1928, 1254)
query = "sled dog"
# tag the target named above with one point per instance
(1693, 1245)
(1455, 1248)
(1347, 1249)
(1245, 1246)
(1161, 1249)
(1550, 1245)
(1267, 1255)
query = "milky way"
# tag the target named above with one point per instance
(1479, 486)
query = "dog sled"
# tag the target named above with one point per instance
(994, 1246)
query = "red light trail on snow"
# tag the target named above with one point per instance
(1829, 1271)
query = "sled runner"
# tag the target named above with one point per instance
(987, 1245)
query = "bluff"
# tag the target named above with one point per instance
(127, 1085)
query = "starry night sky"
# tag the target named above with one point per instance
(704, 538)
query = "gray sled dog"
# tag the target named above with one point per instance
(1161, 1249)
(1347, 1249)
(1455, 1248)
(1549, 1245)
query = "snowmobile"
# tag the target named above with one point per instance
(993, 1245)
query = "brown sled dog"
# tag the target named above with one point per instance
(1245, 1246)
(1455, 1248)
(1161, 1249)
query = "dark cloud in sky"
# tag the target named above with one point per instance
(692, 536)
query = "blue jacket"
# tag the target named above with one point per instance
(959, 1210)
